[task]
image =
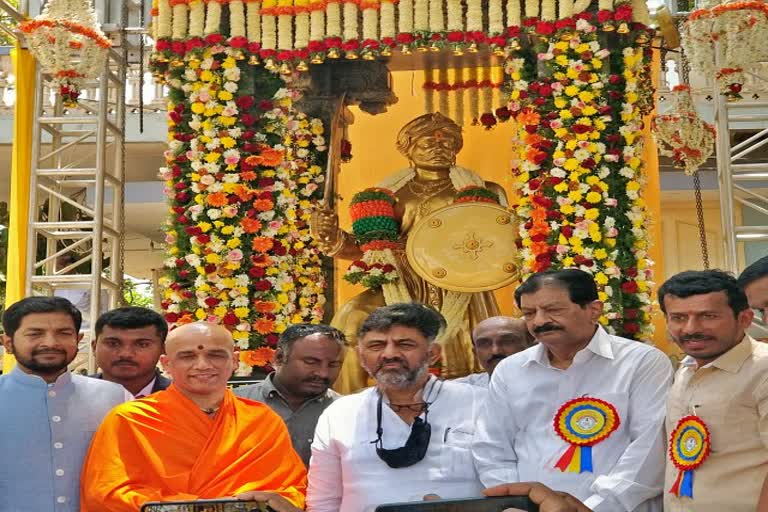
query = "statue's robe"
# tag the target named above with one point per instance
(165, 448)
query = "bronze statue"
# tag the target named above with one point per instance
(431, 143)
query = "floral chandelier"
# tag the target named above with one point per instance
(682, 134)
(725, 40)
(69, 44)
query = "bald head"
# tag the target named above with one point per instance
(498, 337)
(201, 334)
(201, 358)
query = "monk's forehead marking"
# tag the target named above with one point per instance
(200, 347)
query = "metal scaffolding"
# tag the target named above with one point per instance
(76, 228)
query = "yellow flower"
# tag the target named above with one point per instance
(206, 75)
(601, 279)
(240, 335)
(212, 157)
(561, 187)
(198, 108)
(633, 185)
(567, 209)
(233, 243)
(227, 230)
(213, 258)
(565, 114)
(593, 197)
(282, 298)
(560, 103)
(568, 261)
(600, 253)
(596, 236)
(570, 164)
(571, 90)
(610, 242)
(562, 60)
(592, 213)
(228, 63)
(173, 250)
(575, 196)
(241, 312)
(225, 95)
(204, 226)
(586, 96)
(227, 120)
(602, 296)
(228, 142)
(220, 311)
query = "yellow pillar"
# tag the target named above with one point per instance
(653, 201)
(21, 170)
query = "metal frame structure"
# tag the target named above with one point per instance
(77, 185)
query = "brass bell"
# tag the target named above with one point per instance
(458, 51)
(434, 47)
(285, 69)
(270, 65)
(333, 53)
(608, 27)
(351, 55)
(302, 66)
(386, 52)
(623, 28)
(472, 48)
(498, 51)
(405, 49)
(238, 54)
(253, 60)
(643, 38)
(317, 59)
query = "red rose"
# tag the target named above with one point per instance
(631, 328)
(212, 302)
(203, 239)
(214, 38)
(254, 47)
(580, 128)
(603, 16)
(245, 102)
(210, 268)
(247, 119)
(238, 42)
(279, 249)
(545, 90)
(171, 317)
(545, 28)
(256, 272)
(271, 339)
(455, 37)
(230, 319)
(405, 38)
(487, 120)
(567, 231)
(629, 287)
(631, 313)
(265, 105)
(262, 285)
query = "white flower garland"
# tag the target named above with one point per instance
(487, 90)
(531, 8)
(405, 16)
(196, 18)
(455, 14)
(164, 19)
(458, 104)
(316, 25)
(442, 95)
(514, 13)
(429, 92)
(495, 17)
(333, 19)
(253, 21)
(155, 20)
(421, 15)
(302, 30)
(473, 93)
(474, 16)
(387, 19)
(581, 6)
(640, 12)
(236, 18)
(350, 21)
(179, 21)
(548, 10)
(436, 23)
(268, 32)
(284, 31)
(605, 5)
(370, 23)
(212, 19)
(566, 9)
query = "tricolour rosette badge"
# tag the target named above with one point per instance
(689, 447)
(583, 422)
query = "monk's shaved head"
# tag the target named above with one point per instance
(199, 335)
(200, 357)
(498, 337)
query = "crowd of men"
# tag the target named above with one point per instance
(565, 413)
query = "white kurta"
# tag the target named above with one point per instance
(346, 474)
(516, 440)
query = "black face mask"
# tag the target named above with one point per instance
(415, 447)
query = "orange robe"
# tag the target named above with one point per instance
(164, 448)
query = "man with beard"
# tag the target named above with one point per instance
(717, 413)
(307, 362)
(405, 438)
(581, 412)
(494, 339)
(127, 347)
(48, 414)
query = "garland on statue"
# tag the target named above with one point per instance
(241, 174)
(580, 165)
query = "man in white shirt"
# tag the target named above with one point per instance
(405, 438)
(582, 411)
(494, 339)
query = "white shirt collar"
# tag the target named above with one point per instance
(146, 390)
(600, 345)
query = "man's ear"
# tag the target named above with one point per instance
(595, 309)
(7, 343)
(435, 350)
(279, 357)
(164, 362)
(235, 358)
(93, 344)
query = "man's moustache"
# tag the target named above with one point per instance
(546, 328)
(325, 382)
(695, 337)
(125, 362)
(48, 351)
(496, 358)
(380, 366)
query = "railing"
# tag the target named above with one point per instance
(153, 95)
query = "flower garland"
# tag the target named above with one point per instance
(241, 176)
(580, 175)
(682, 134)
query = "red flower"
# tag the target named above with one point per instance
(503, 114)
(631, 327)
(455, 37)
(567, 231)
(245, 102)
(316, 46)
(545, 28)
(265, 105)
(488, 120)
(212, 302)
(256, 272)
(581, 128)
(171, 318)
(262, 285)
(631, 313)
(629, 287)
(178, 47)
(603, 16)
(214, 38)
(238, 42)
(230, 319)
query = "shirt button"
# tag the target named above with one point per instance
(51, 393)
(58, 446)
(56, 419)
(61, 499)
(59, 472)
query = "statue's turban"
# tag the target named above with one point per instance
(428, 124)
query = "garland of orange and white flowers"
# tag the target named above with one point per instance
(63, 29)
(284, 33)
(682, 134)
(725, 40)
(242, 173)
(448, 90)
(579, 165)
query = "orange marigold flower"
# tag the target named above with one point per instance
(244, 193)
(263, 205)
(528, 117)
(185, 319)
(217, 199)
(264, 326)
(272, 157)
(262, 244)
(259, 357)
(263, 306)
(248, 175)
(250, 225)
(261, 260)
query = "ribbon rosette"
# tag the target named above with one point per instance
(583, 422)
(689, 446)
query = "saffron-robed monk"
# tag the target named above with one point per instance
(195, 440)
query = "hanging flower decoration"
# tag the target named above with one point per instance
(725, 39)
(579, 172)
(69, 44)
(242, 173)
(682, 134)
